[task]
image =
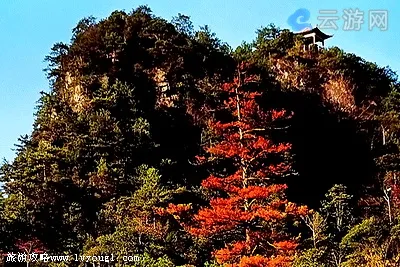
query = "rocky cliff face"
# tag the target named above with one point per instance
(75, 94)
(343, 81)
(306, 75)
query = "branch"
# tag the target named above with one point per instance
(254, 130)
(271, 245)
(278, 128)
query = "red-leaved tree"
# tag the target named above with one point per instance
(249, 217)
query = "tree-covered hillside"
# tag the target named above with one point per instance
(159, 140)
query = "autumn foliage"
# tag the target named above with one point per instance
(251, 212)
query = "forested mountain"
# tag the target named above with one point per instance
(161, 141)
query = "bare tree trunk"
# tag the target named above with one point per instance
(387, 199)
(383, 135)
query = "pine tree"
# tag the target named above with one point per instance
(249, 211)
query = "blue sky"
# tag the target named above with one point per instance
(29, 28)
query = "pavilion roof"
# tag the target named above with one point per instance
(317, 32)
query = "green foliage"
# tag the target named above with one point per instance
(265, 34)
(318, 226)
(327, 229)
(337, 208)
(135, 228)
(388, 133)
(183, 24)
(359, 232)
(208, 38)
(150, 193)
(363, 243)
(212, 264)
(272, 41)
(310, 258)
(147, 260)
(243, 52)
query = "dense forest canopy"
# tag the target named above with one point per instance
(160, 140)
